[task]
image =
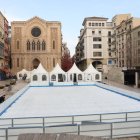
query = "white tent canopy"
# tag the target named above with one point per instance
(40, 75)
(91, 69)
(40, 69)
(75, 75)
(23, 73)
(91, 74)
(57, 74)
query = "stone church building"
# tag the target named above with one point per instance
(35, 41)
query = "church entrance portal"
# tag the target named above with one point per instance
(36, 62)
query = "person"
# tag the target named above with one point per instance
(2, 99)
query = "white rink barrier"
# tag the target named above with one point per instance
(105, 130)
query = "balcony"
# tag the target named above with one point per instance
(112, 56)
(113, 42)
(113, 48)
(109, 49)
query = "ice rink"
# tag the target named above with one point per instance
(69, 100)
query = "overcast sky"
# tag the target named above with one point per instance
(70, 13)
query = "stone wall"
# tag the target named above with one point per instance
(114, 74)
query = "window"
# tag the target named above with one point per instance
(53, 62)
(1, 49)
(103, 24)
(28, 45)
(139, 34)
(17, 62)
(96, 24)
(35, 32)
(33, 45)
(122, 63)
(38, 45)
(25, 75)
(53, 44)
(138, 42)
(109, 62)
(130, 27)
(97, 76)
(97, 46)
(138, 51)
(99, 24)
(43, 45)
(34, 77)
(79, 76)
(44, 77)
(97, 39)
(92, 24)
(89, 23)
(99, 32)
(93, 32)
(109, 33)
(17, 44)
(97, 54)
(53, 77)
(109, 40)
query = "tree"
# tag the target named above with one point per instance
(66, 62)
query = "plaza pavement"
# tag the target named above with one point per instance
(14, 88)
(119, 85)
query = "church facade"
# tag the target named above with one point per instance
(35, 41)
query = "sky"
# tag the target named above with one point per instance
(70, 13)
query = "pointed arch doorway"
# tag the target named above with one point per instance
(35, 63)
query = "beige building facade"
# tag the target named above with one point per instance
(35, 41)
(136, 54)
(94, 43)
(123, 41)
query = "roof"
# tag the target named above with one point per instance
(23, 71)
(57, 69)
(91, 69)
(94, 19)
(40, 69)
(74, 69)
(38, 18)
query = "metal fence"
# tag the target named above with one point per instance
(61, 120)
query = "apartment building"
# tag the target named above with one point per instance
(1, 40)
(4, 48)
(123, 44)
(136, 54)
(94, 43)
(119, 35)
